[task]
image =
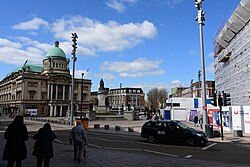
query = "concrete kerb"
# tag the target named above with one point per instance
(96, 127)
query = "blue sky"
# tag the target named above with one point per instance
(139, 43)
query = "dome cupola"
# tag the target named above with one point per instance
(55, 51)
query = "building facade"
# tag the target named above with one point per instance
(44, 88)
(232, 56)
(195, 90)
(126, 98)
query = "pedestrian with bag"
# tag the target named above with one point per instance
(195, 120)
(201, 121)
(78, 137)
(43, 148)
(15, 149)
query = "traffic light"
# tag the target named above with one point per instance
(220, 100)
(214, 100)
(226, 99)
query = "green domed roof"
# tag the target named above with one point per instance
(55, 51)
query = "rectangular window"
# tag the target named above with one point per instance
(32, 95)
(44, 95)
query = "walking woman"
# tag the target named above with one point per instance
(15, 149)
(43, 148)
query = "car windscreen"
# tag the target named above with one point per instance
(182, 125)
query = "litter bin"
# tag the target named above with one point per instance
(84, 122)
(238, 133)
(209, 131)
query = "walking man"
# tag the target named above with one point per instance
(201, 121)
(78, 136)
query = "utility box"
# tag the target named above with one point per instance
(209, 130)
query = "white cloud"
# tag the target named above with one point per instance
(33, 24)
(147, 86)
(120, 5)
(210, 68)
(172, 3)
(94, 36)
(105, 76)
(19, 56)
(141, 74)
(211, 54)
(78, 73)
(114, 4)
(18, 52)
(8, 43)
(176, 83)
(97, 36)
(194, 53)
(137, 68)
(66, 46)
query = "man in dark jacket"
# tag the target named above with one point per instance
(15, 149)
(78, 136)
(43, 148)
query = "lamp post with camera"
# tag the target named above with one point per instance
(200, 18)
(74, 58)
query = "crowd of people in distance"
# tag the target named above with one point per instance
(153, 114)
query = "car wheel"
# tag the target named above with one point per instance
(190, 142)
(151, 139)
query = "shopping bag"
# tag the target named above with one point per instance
(85, 152)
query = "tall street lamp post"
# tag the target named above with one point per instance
(200, 18)
(81, 95)
(74, 45)
(22, 85)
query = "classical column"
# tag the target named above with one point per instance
(56, 91)
(55, 111)
(51, 110)
(61, 107)
(51, 92)
(48, 92)
(63, 92)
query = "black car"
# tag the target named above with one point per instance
(173, 132)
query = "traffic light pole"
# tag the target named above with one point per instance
(221, 121)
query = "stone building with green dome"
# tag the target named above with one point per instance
(44, 89)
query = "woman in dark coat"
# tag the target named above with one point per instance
(43, 148)
(15, 149)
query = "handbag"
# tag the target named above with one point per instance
(85, 152)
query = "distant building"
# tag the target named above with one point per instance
(44, 88)
(232, 56)
(195, 90)
(126, 98)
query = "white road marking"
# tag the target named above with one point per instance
(59, 141)
(161, 153)
(133, 149)
(188, 156)
(127, 149)
(211, 145)
(93, 145)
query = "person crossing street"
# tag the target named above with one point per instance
(78, 137)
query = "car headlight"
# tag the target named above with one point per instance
(199, 134)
